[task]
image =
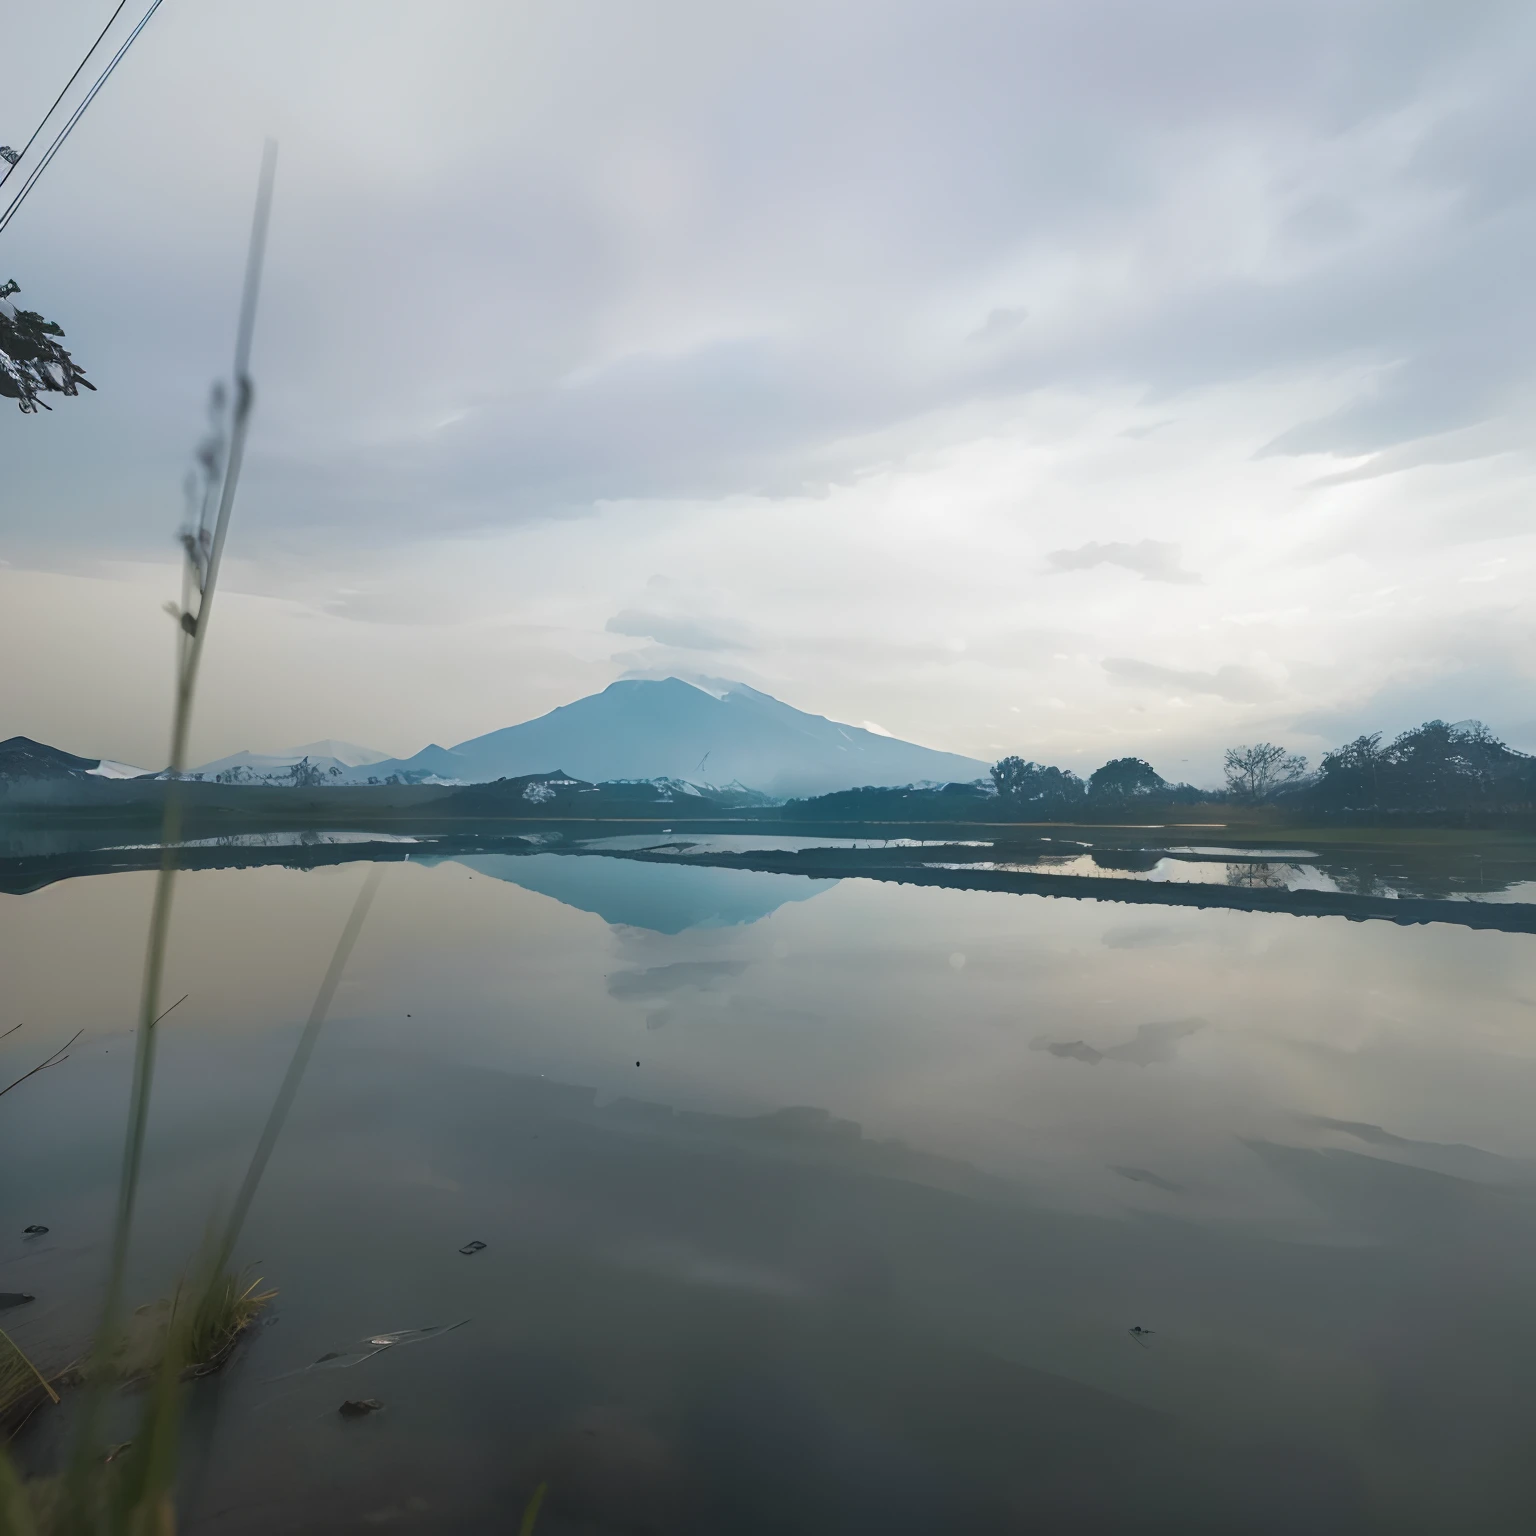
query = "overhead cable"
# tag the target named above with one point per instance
(60, 97)
(74, 117)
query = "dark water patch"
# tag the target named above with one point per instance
(1151, 1045)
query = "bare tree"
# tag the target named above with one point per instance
(1256, 772)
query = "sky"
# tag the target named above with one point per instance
(1070, 379)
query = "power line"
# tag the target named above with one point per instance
(60, 97)
(74, 118)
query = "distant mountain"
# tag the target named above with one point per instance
(432, 765)
(23, 758)
(323, 762)
(670, 729)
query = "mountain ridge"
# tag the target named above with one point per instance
(697, 737)
(642, 729)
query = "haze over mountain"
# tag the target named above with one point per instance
(721, 733)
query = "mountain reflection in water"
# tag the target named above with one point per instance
(663, 899)
(816, 1215)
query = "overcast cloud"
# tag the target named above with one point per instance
(1069, 379)
(1147, 557)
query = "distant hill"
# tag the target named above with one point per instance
(670, 729)
(323, 761)
(23, 758)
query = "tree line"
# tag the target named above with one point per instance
(1054, 793)
(1435, 769)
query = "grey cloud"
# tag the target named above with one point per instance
(1481, 441)
(1150, 559)
(683, 633)
(762, 273)
(1496, 691)
(1238, 685)
(1452, 383)
(1000, 324)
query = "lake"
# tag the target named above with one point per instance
(812, 1205)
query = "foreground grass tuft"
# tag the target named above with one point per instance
(128, 1490)
(221, 1311)
(198, 1327)
(23, 1388)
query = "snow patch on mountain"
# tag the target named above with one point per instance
(108, 769)
(329, 762)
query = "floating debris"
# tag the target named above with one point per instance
(1140, 1334)
(477, 1245)
(60, 1055)
(375, 1344)
(359, 1407)
(33, 1231)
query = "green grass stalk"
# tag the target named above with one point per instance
(204, 554)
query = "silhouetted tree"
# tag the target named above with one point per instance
(306, 775)
(1024, 785)
(1123, 779)
(1435, 767)
(32, 362)
(1350, 776)
(1010, 774)
(1439, 766)
(1256, 772)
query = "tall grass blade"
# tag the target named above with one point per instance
(194, 628)
(531, 1512)
(21, 1356)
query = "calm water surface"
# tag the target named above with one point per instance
(808, 1205)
